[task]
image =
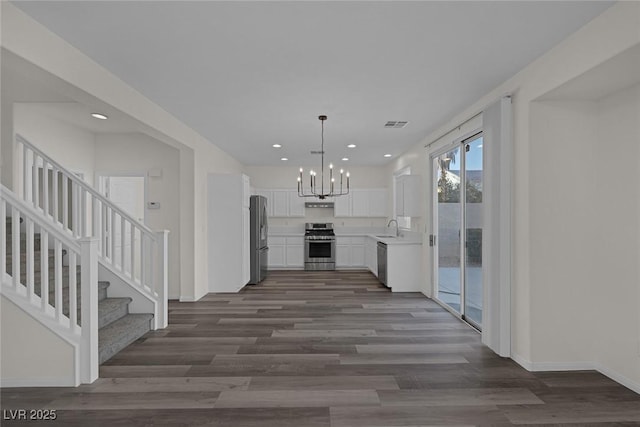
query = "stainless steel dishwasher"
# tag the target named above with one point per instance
(382, 263)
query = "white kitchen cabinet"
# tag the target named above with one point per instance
(404, 272)
(371, 255)
(227, 232)
(357, 252)
(378, 203)
(286, 252)
(280, 203)
(277, 252)
(342, 206)
(350, 251)
(296, 204)
(294, 252)
(343, 251)
(360, 203)
(408, 196)
(365, 203)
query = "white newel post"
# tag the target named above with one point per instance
(161, 316)
(89, 309)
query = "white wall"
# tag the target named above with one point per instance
(616, 281)
(69, 145)
(112, 153)
(538, 342)
(584, 238)
(283, 177)
(135, 154)
(32, 355)
(83, 80)
(564, 165)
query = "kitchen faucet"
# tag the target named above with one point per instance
(397, 228)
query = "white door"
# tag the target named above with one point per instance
(128, 193)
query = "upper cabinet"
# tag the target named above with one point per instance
(408, 197)
(342, 205)
(296, 204)
(282, 203)
(367, 203)
(362, 203)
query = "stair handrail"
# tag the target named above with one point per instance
(80, 253)
(87, 187)
(36, 217)
(142, 264)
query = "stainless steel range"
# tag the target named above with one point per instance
(319, 246)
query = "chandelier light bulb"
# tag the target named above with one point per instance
(330, 165)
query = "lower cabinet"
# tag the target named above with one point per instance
(371, 255)
(286, 252)
(350, 251)
(404, 272)
(294, 255)
(277, 252)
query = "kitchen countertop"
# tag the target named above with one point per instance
(384, 238)
(414, 239)
(395, 241)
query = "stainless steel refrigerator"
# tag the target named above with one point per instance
(258, 249)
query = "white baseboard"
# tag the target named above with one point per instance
(628, 383)
(562, 366)
(576, 366)
(187, 299)
(38, 382)
(526, 364)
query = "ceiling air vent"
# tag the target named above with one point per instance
(395, 124)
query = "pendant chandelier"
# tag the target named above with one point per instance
(314, 190)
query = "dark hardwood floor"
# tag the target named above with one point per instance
(323, 349)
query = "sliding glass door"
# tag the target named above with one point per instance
(458, 228)
(449, 223)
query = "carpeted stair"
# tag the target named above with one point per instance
(117, 327)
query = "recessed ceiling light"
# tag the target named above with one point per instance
(351, 146)
(387, 155)
(277, 146)
(99, 116)
(344, 159)
(284, 159)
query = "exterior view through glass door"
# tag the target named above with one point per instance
(458, 254)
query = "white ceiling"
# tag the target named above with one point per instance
(247, 75)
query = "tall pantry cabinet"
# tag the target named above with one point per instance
(228, 231)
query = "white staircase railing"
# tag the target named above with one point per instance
(126, 247)
(67, 306)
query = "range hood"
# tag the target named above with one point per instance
(319, 205)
